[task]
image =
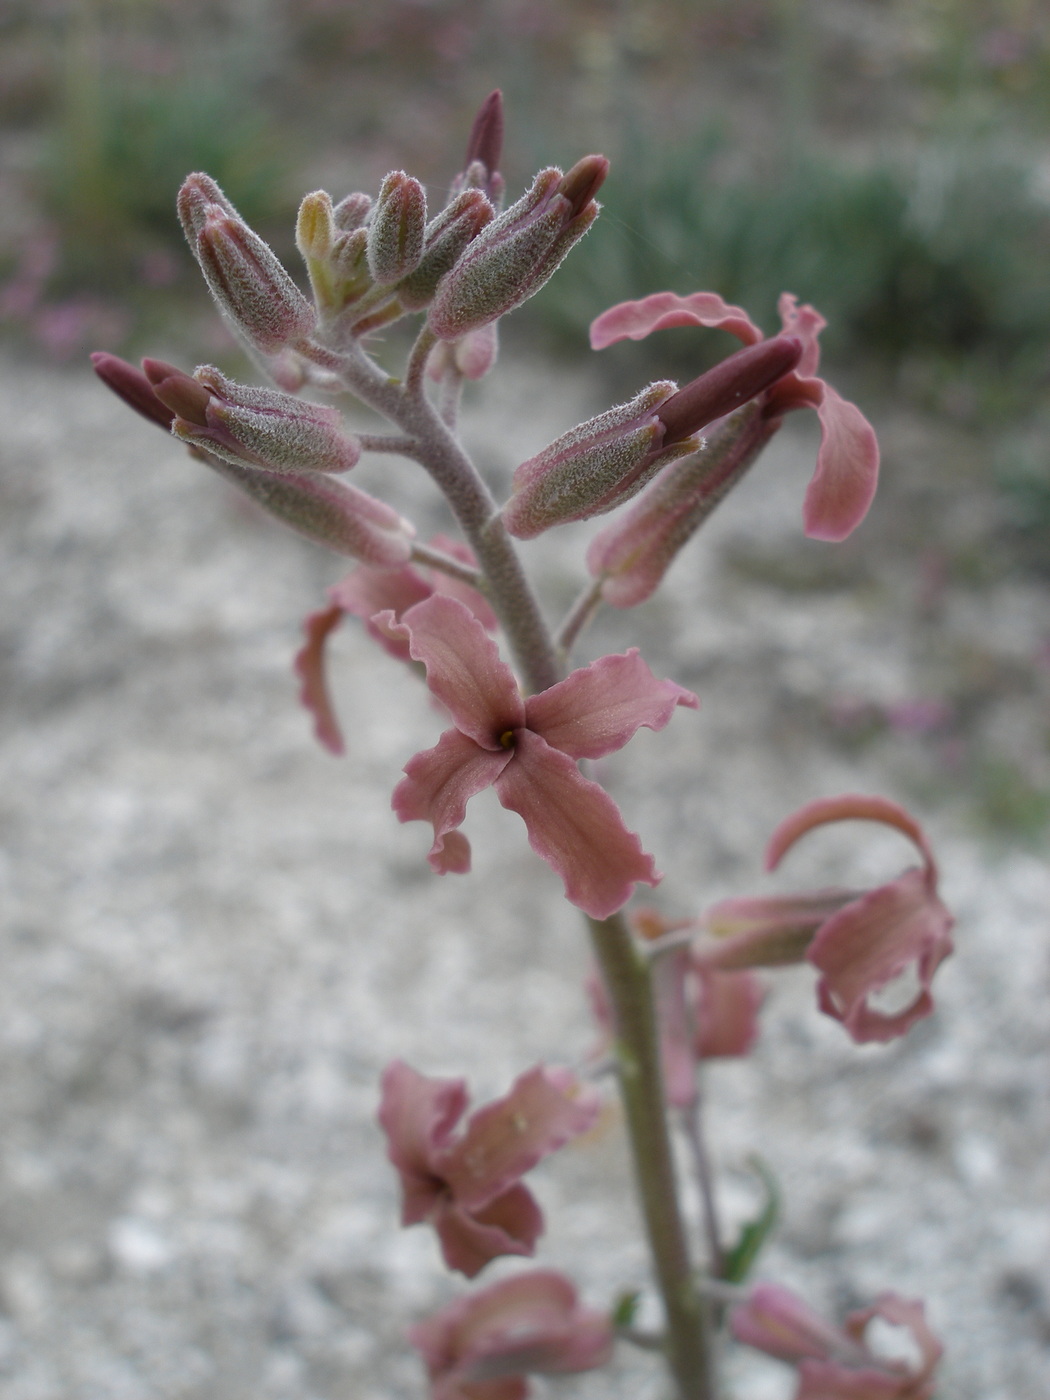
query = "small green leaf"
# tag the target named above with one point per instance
(740, 1259)
(625, 1309)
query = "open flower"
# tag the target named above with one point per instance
(363, 593)
(482, 1347)
(527, 749)
(837, 1363)
(860, 943)
(847, 471)
(466, 1179)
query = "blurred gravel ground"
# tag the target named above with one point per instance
(215, 936)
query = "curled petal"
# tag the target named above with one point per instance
(843, 486)
(634, 320)
(597, 709)
(848, 807)
(575, 826)
(464, 670)
(511, 1224)
(418, 1116)
(806, 323)
(310, 668)
(908, 1313)
(868, 944)
(364, 592)
(437, 786)
(544, 1109)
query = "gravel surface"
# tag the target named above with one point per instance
(215, 935)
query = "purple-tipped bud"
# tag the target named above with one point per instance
(131, 385)
(632, 555)
(447, 235)
(594, 467)
(329, 512)
(514, 256)
(254, 427)
(484, 147)
(397, 228)
(352, 212)
(734, 381)
(244, 275)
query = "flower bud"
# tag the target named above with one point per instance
(397, 228)
(514, 256)
(131, 385)
(484, 147)
(248, 426)
(632, 555)
(447, 235)
(352, 212)
(251, 288)
(593, 467)
(329, 512)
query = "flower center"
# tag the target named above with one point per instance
(506, 739)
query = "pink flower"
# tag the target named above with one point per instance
(527, 749)
(703, 1013)
(481, 1347)
(859, 943)
(837, 1363)
(847, 471)
(363, 593)
(466, 1179)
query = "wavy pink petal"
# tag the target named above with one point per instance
(598, 708)
(418, 1116)
(634, 320)
(543, 1110)
(901, 1312)
(843, 486)
(511, 1224)
(310, 668)
(575, 826)
(437, 786)
(807, 323)
(464, 669)
(869, 943)
(850, 806)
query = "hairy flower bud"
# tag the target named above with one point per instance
(131, 385)
(397, 228)
(352, 212)
(250, 426)
(244, 275)
(328, 512)
(447, 235)
(514, 256)
(595, 466)
(632, 555)
(484, 147)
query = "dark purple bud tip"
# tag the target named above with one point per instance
(580, 184)
(733, 382)
(180, 391)
(131, 385)
(485, 142)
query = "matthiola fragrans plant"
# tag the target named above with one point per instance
(669, 993)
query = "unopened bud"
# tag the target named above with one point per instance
(397, 228)
(732, 382)
(352, 212)
(131, 385)
(484, 147)
(329, 512)
(632, 555)
(594, 467)
(447, 235)
(514, 256)
(249, 426)
(198, 198)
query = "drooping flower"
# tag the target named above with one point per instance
(363, 593)
(528, 750)
(844, 483)
(465, 1178)
(483, 1346)
(837, 1363)
(860, 943)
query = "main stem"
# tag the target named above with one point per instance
(627, 977)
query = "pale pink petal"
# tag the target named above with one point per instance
(599, 707)
(310, 668)
(543, 1110)
(807, 323)
(437, 787)
(418, 1115)
(843, 486)
(849, 807)
(634, 320)
(869, 943)
(575, 826)
(464, 670)
(366, 591)
(902, 1312)
(469, 1240)
(725, 1012)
